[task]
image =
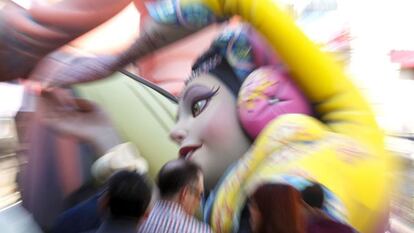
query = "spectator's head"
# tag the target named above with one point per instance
(128, 195)
(313, 195)
(276, 208)
(181, 181)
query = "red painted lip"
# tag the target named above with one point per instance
(184, 151)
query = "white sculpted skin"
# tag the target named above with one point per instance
(207, 128)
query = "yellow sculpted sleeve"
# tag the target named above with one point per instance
(337, 101)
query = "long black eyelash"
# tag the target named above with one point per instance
(214, 91)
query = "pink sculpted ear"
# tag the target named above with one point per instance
(266, 94)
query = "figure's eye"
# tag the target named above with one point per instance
(201, 100)
(199, 106)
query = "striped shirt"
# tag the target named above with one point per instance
(169, 217)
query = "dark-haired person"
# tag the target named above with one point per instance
(181, 188)
(318, 221)
(126, 201)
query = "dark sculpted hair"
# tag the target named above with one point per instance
(175, 175)
(129, 194)
(214, 63)
(280, 208)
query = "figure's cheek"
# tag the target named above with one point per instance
(219, 125)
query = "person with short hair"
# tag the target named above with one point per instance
(85, 216)
(313, 195)
(318, 221)
(181, 188)
(126, 200)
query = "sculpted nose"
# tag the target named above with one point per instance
(178, 135)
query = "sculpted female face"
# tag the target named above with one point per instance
(207, 128)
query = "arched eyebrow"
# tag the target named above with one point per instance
(188, 92)
(193, 93)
